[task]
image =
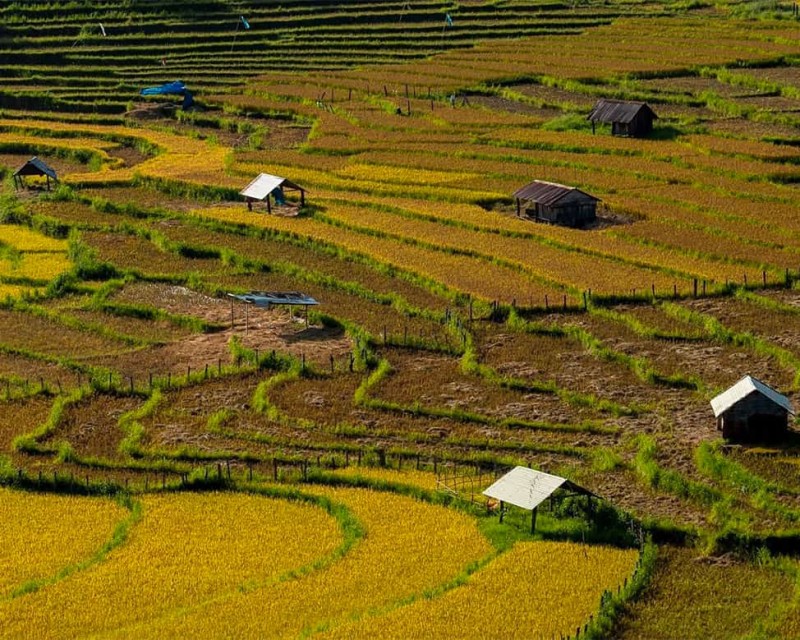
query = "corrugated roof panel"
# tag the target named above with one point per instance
(40, 165)
(744, 388)
(265, 184)
(618, 111)
(525, 488)
(267, 298)
(547, 193)
(262, 186)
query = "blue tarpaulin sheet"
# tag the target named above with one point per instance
(170, 87)
(176, 87)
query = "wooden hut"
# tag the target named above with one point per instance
(751, 411)
(34, 167)
(556, 203)
(627, 118)
(266, 185)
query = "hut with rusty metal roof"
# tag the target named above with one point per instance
(34, 167)
(752, 411)
(556, 203)
(627, 117)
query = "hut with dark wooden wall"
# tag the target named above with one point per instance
(751, 411)
(556, 203)
(34, 167)
(627, 118)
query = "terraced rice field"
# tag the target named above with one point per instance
(230, 470)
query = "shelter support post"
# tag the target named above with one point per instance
(518, 208)
(502, 511)
(533, 519)
(269, 206)
(302, 198)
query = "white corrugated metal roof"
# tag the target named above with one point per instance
(525, 488)
(744, 388)
(262, 186)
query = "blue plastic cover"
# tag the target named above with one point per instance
(277, 193)
(170, 87)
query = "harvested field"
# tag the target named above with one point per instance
(91, 426)
(41, 335)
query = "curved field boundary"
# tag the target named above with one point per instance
(548, 589)
(45, 538)
(188, 548)
(409, 547)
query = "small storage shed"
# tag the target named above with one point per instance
(266, 185)
(34, 167)
(627, 118)
(752, 411)
(556, 203)
(528, 488)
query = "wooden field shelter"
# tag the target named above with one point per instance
(269, 299)
(556, 203)
(34, 167)
(528, 488)
(751, 411)
(627, 118)
(266, 186)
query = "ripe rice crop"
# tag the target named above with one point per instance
(43, 534)
(42, 267)
(13, 291)
(284, 256)
(409, 547)
(24, 239)
(31, 257)
(538, 259)
(559, 583)
(188, 550)
(462, 273)
(403, 175)
(421, 479)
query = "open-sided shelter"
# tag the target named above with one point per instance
(556, 203)
(627, 118)
(267, 299)
(266, 185)
(34, 167)
(752, 411)
(528, 488)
